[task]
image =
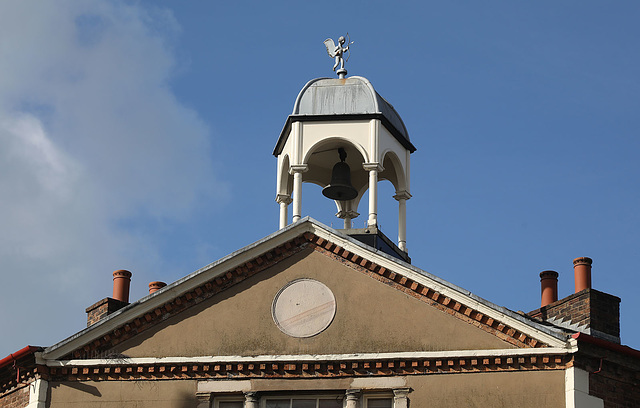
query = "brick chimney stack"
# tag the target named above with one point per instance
(582, 272)
(120, 299)
(587, 310)
(548, 287)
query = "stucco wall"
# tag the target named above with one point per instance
(532, 389)
(371, 317)
(123, 394)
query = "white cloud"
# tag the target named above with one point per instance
(90, 135)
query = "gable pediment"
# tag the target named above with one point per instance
(370, 316)
(381, 306)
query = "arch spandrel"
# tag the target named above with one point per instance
(285, 180)
(356, 133)
(394, 171)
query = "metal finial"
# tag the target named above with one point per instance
(337, 52)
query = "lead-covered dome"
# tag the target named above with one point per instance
(344, 99)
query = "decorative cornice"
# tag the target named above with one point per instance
(311, 369)
(287, 358)
(17, 379)
(284, 134)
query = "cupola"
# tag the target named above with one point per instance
(343, 120)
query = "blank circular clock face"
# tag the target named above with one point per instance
(303, 308)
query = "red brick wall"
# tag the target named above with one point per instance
(605, 313)
(614, 372)
(18, 398)
(616, 392)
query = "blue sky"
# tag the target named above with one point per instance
(138, 135)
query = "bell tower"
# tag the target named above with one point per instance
(342, 131)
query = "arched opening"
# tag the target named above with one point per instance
(320, 161)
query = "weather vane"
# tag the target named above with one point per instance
(337, 52)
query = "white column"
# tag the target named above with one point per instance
(284, 200)
(347, 223)
(400, 397)
(402, 197)
(38, 393)
(251, 399)
(352, 397)
(373, 198)
(576, 383)
(297, 171)
(373, 169)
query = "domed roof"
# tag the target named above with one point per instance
(350, 98)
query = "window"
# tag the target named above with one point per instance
(379, 403)
(304, 402)
(229, 403)
(333, 400)
(322, 402)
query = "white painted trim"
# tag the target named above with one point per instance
(299, 358)
(378, 383)
(38, 393)
(576, 385)
(362, 383)
(224, 386)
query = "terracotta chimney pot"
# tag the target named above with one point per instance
(155, 286)
(548, 287)
(582, 272)
(121, 283)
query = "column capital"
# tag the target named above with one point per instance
(400, 397)
(298, 168)
(283, 198)
(401, 392)
(373, 166)
(203, 395)
(402, 195)
(251, 396)
(353, 395)
(204, 399)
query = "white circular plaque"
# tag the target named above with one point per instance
(303, 308)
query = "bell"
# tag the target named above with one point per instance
(340, 187)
